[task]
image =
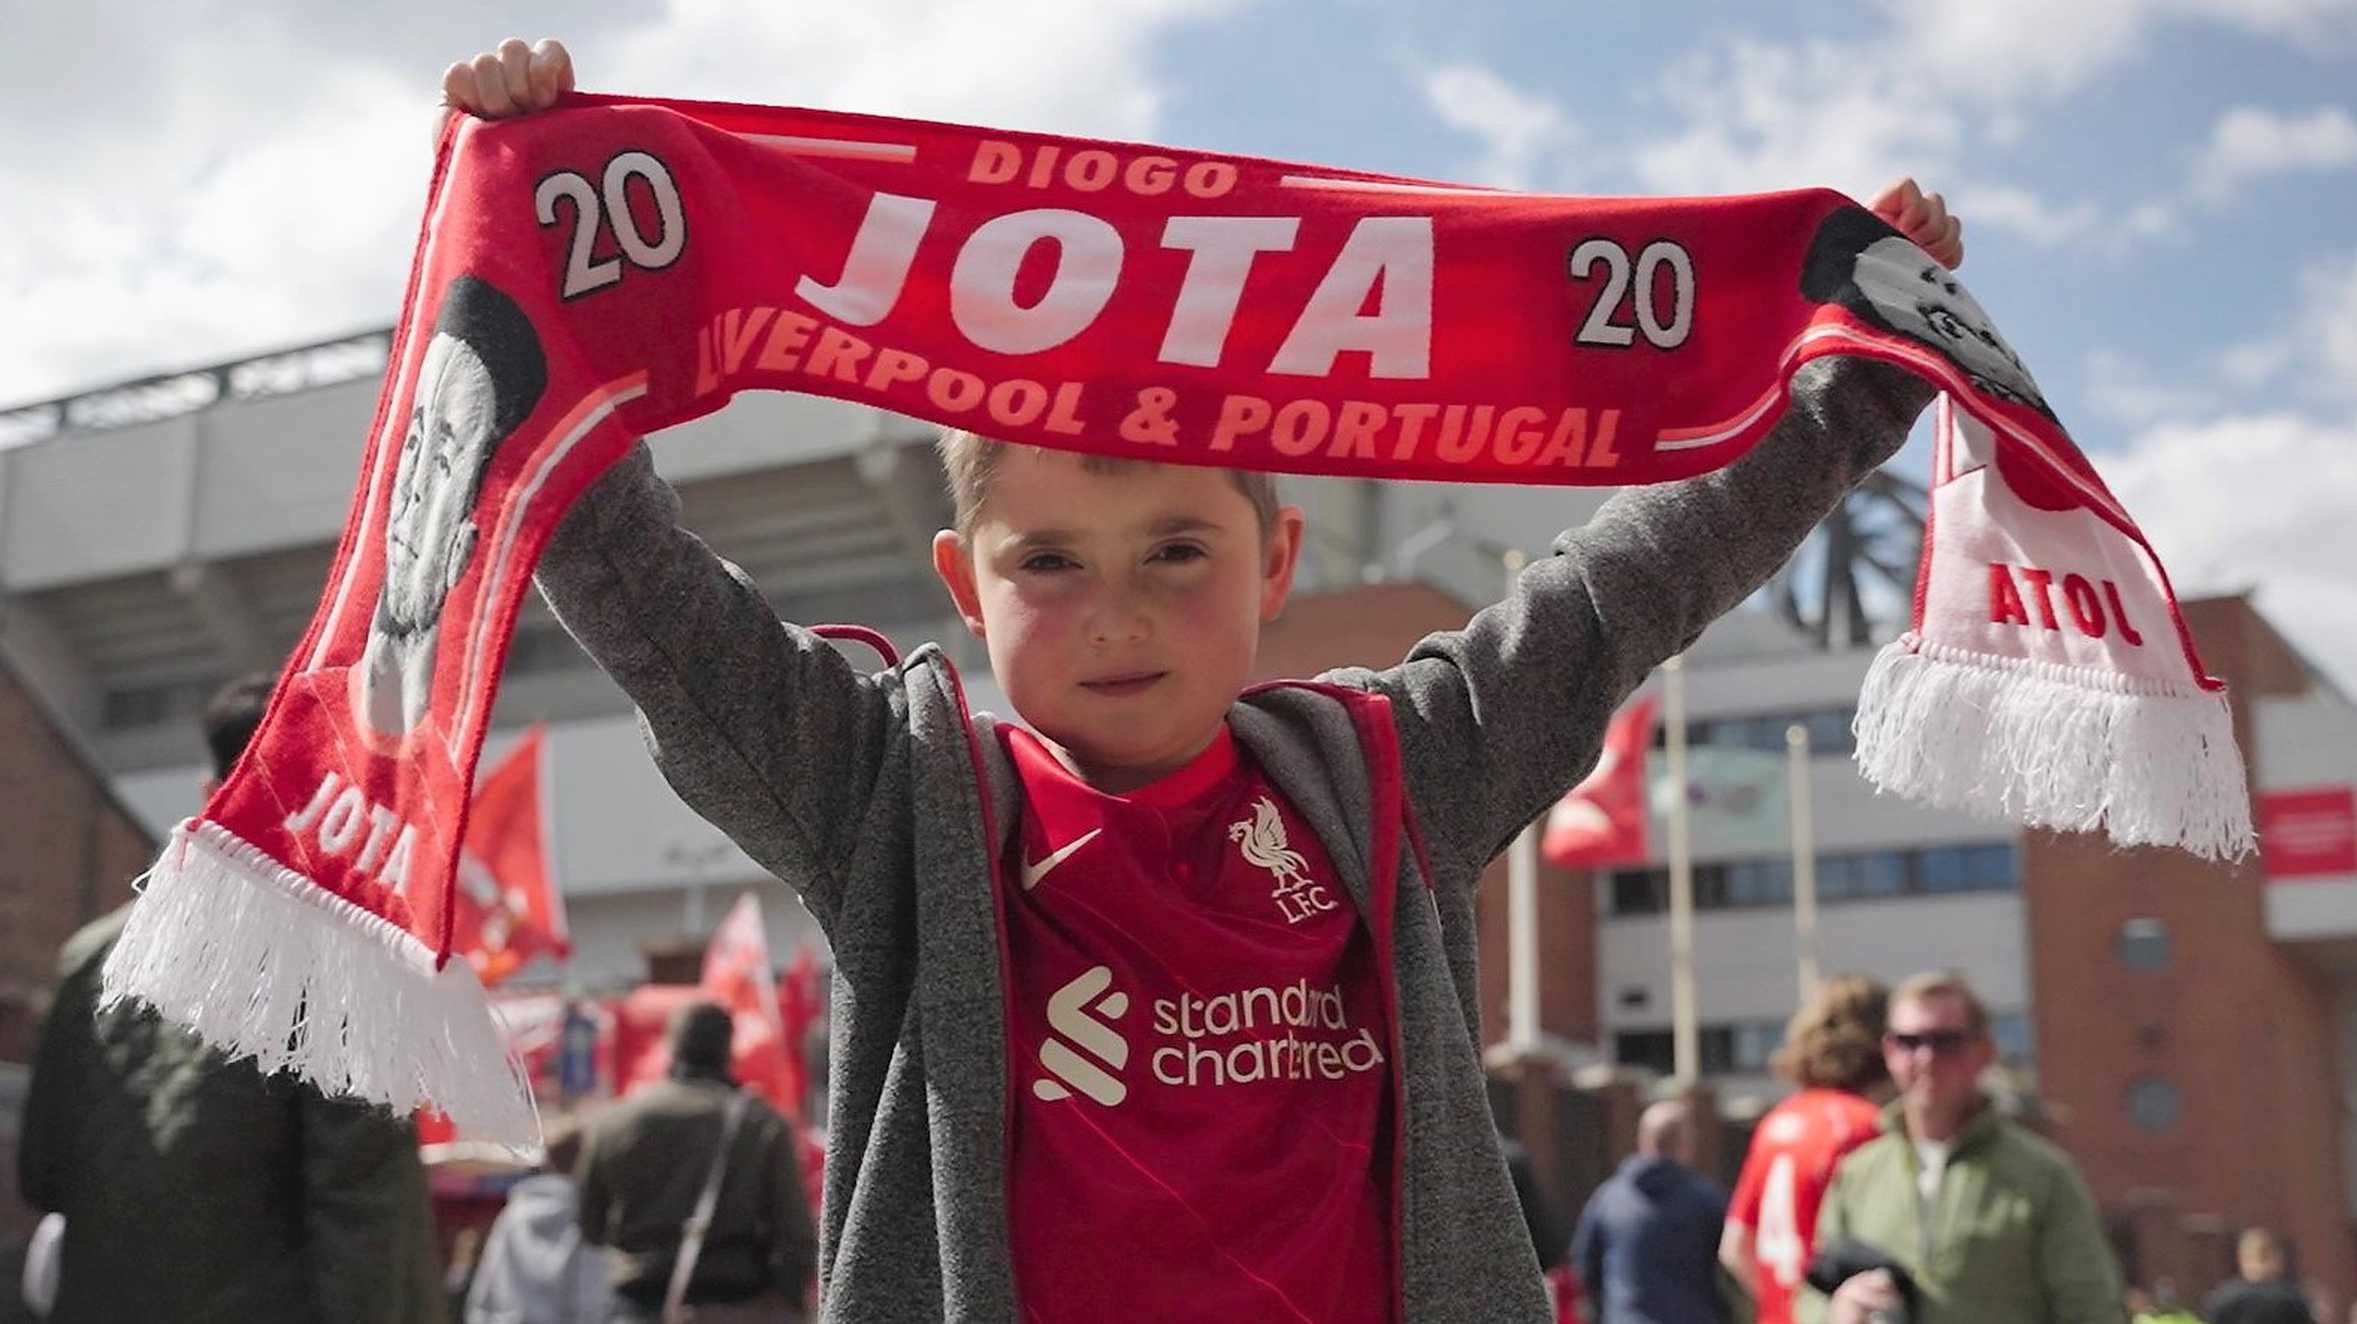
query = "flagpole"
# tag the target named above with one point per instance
(1522, 909)
(1685, 1029)
(1804, 856)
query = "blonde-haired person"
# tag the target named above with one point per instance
(1833, 1052)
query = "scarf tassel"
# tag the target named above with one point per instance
(261, 962)
(2068, 748)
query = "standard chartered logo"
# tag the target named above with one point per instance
(1295, 1033)
(1069, 1016)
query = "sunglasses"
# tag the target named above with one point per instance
(1942, 1043)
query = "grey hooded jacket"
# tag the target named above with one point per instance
(886, 805)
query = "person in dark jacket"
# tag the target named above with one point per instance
(1538, 1211)
(1647, 1245)
(644, 1168)
(197, 1189)
(2262, 1293)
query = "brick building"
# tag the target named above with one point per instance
(2196, 1021)
(72, 849)
(68, 852)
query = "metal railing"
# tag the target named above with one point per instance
(173, 394)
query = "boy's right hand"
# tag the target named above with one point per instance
(514, 80)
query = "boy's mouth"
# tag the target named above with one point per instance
(1123, 684)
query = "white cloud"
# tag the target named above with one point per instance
(2319, 25)
(263, 185)
(2118, 387)
(2248, 480)
(2255, 500)
(1760, 115)
(1854, 113)
(2328, 325)
(2314, 357)
(2250, 142)
(1999, 52)
(1518, 128)
(2010, 207)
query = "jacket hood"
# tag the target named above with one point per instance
(548, 1209)
(1654, 1175)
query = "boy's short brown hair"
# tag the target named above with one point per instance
(1835, 1040)
(970, 461)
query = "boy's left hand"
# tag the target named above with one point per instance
(1924, 219)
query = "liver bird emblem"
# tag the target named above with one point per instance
(1262, 839)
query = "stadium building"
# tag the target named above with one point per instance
(2189, 1031)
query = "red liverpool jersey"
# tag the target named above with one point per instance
(1784, 1179)
(1201, 1087)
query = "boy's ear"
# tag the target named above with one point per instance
(1280, 553)
(955, 564)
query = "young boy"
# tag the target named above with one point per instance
(1164, 1008)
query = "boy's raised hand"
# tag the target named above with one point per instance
(1924, 219)
(514, 80)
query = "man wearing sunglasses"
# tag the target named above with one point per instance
(1993, 1222)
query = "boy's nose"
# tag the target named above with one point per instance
(1118, 618)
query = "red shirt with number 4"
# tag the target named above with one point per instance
(1784, 1179)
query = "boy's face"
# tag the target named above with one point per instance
(1122, 609)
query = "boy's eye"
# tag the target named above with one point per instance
(1179, 551)
(1043, 561)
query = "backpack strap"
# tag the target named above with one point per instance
(691, 1241)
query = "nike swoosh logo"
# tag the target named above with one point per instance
(1032, 873)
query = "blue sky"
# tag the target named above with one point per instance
(2160, 195)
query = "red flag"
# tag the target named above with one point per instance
(799, 1008)
(506, 908)
(1602, 820)
(737, 975)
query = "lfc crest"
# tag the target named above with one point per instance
(1261, 838)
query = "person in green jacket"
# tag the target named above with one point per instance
(196, 1189)
(1992, 1222)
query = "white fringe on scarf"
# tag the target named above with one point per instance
(2071, 748)
(263, 963)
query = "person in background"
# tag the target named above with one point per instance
(1645, 1243)
(2262, 1292)
(1833, 1052)
(1992, 1223)
(644, 1167)
(197, 1189)
(1538, 1212)
(535, 1266)
(2158, 1306)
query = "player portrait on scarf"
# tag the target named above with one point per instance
(1858, 261)
(483, 374)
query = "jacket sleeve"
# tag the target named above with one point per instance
(762, 727)
(1498, 719)
(2074, 1257)
(1587, 1259)
(365, 1216)
(1810, 1306)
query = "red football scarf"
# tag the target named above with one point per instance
(595, 273)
